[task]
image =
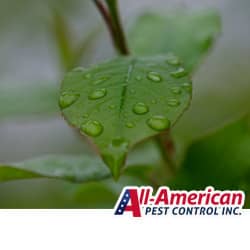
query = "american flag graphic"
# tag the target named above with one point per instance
(123, 203)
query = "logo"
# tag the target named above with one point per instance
(140, 201)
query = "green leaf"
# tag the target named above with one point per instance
(123, 101)
(187, 34)
(70, 168)
(220, 159)
(28, 99)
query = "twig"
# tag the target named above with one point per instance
(109, 23)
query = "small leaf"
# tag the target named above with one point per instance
(186, 34)
(124, 101)
(28, 99)
(70, 168)
(220, 159)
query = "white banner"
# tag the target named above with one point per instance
(101, 229)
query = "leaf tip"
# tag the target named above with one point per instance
(114, 156)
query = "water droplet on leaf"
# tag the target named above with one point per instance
(140, 108)
(112, 106)
(101, 80)
(179, 73)
(130, 125)
(154, 76)
(67, 99)
(187, 86)
(153, 101)
(173, 60)
(138, 78)
(97, 94)
(92, 128)
(158, 123)
(173, 103)
(176, 90)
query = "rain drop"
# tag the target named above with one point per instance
(130, 125)
(158, 123)
(140, 108)
(101, 80)
(176, 90)
(112, 106)
(97, 94)
(154, 76)
(187, 86)
(173, 60)
(173, 103)
(67, 99)
(92, 128)
(179, 73)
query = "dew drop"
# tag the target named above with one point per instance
(111, 106)
(154, 76)
(173, 102)
(158, 123)
(187, 86)
(92, 128)
(130, 125)
(67, 99)
(97, 94)
(176, 90)
(101, 80)
(140, 108)
(173, 60)
(179, 73)
(153, 101)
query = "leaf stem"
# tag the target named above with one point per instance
(108, 20)
(115, 14)
(166, 147)
(111, 17)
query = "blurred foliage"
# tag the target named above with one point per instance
(187, 34)
(70, 55)
(63, 167)
(220, 159)
(28, 99)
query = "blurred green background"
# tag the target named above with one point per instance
(29, 58)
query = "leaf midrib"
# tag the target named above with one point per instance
(125, 87)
